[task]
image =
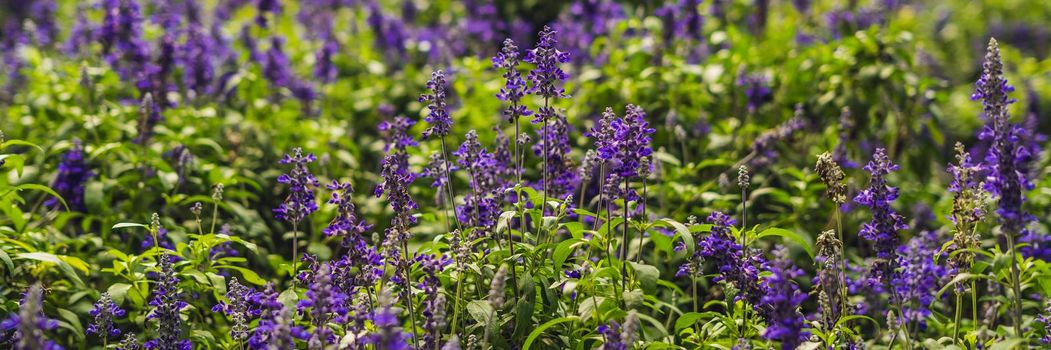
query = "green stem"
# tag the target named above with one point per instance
(624, 242)
(449, 184)
(408, 292)
(215, 215)
(956, 321)
(543, 205)
(295, 253)
(642, 234)
(1016, 307)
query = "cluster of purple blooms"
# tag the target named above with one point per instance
(103, 313)
(167, 306)
(301, 183)
(26, 329)
(883, 229)
(73, 173)
(919, 277)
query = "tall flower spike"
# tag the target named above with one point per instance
(396, 181)
(73, 172)
(438, 111)
(239, 308)
(514, 86)
(547, 77)
(387, 332)
(129, 343)
(832, 175)
(103, 313)
(346, 222)
(301, 183)
(918, 278)
(496, 288)
(781, 301)
(167, 303)
(29, 323)
(883, 229)
(326, 304)
(1008, 157)
(830, 298)
(274, 330)
(968, 209)
(728, 255)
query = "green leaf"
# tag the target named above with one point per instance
(128, 224)
(688, 320)
(7, 261)
(1013, 343)
(480, 311)
(118, 291)
(74, 321)
(249, 275)
(10, 143)
(44, 189)
(540, 330)
(54, 259)
(523, 316)
(648, 276)
(563, 250)
(789, 235)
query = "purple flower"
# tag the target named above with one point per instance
(277, 68)
(438, 115)
(561, 172)
(28, 325)
(919, 277)
(480, 208)
(1045, 319)
(721, 248)
(326, 304)
(514, 86)
(167, 303)
(585, 21)
(396, 181)
(391, 33)
(764, 145)
(121, 37)
(239, 307)
(433, 311)
(273, 7)
(547, 77)
(781, 301)
(198, 65)
(325, 70)
(300, 201)
(274, 330)
(103, 313)
(346, 222)
(73, 172)
(883, 229)
(1008, 159)
(756, 89)
(396, 133)
(611, 336)
(81, 35)
(387, 333)
(631, 143)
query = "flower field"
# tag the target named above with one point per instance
(525, 174)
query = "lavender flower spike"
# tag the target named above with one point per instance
(167, 303)
(300, 201)
(73, 172)
(883, 229)
(29, 323)
(438, 115)
(104, 312)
